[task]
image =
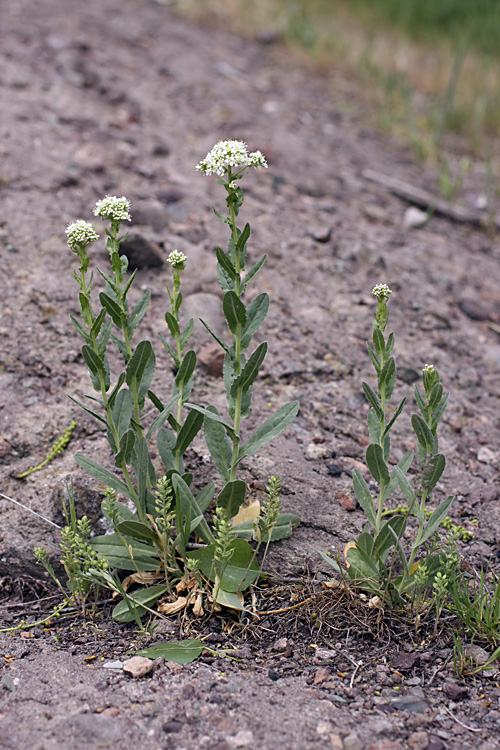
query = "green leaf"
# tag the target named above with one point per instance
(439, 412)
(230, 600)
(391, 530)
(422, 431)
(232, 497)
(190, 506)
(389, 346)
(364, 496)
(138, 312)
(162, 417)
(387, 377)
(112, 308)
(215, 336)
(373, 358)
(111, 547)
(180, 652)
(269, 430)
(172, 324)
(234, 311)
(282, 529)
(122, 613)
(435, 520)
(374, 427)
(419, 399)
(243, 238)
(165, 443)
(204, 496)
(405, 487)
(93, 360)
(81, 331)
(256, 313)
(435, 396)
(89, 411)
(186, 369)
(252, 273)
(140, 364)
(376, 464)
(333, 563)
(250, 371)
(103, 475)
(433, 471)
(241, 571)
(169, 349)
(144, 471)
(186, 334)
(218, 444)
(122, 411)
(127, 444)
(214, 416)
(189, 430)
(378, 341)
(395, 415)
(373, 400)
(226, 264)
(363, 570)
(137, 530)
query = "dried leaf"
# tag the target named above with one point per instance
(349, 545)
(142, 577)
(247, 513)
(198, 606)
(171, 608)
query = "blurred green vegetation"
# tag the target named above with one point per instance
(429, 68)
(470, 22)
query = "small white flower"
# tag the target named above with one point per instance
(80, 234)
(227, 155)
(429, 369)
(111, 207)
(381, 292)
(177, 260)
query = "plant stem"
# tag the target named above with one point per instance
(237, 346)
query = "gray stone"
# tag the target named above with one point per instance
(97, 730)
(141, 252)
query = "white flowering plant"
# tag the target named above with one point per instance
(377, 561)
(169, 542)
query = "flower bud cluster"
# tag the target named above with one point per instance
(80, 234)
(177, 260)
(113, 208)
(381, 292)
(228, 154)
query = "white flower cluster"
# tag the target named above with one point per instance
(80, 234)
(228, 154)
(177, 260)
(111, 207)
(429, 369)
(381, 292)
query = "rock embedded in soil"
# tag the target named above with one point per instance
(141, 252)
(138, 666)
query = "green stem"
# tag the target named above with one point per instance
(237, 347)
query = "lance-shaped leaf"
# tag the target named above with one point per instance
(435, 520)
(162, 417)
(127, 444)
(169, 349)
(250, 371)
(140, 368)
(180, 652)
(89, 411)
(395, 415)
(433, 471)
(137, 530)
(241, 571)
(232, 497)
(390, 533)
(186, 334)
(378, 341)
(187, 433)
(165, 443)
(215, 336)
(104, 476)
(226, 264)
(172, 324)
(234, 311)
(218, 444)
(387, 377)
(112, 308)
(423, 433)
(439, 412)
(363, 570)
(256, 312)
(269, 430)
(190, 507)
(405, 487)
(186, 369)
(364, 496)
(93, 360)
(376, 464)
(122, 411)
(214, 415)
(122, 613)
(243, 238)
(374, 427)
(136, 556)
(373, 400)
(282, 529)
(138, 312)
(81, 330)
(252, 273)
(420, 400)
(373, 358)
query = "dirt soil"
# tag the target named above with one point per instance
(124, 98)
